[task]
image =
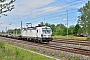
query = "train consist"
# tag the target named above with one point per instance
(36, 34)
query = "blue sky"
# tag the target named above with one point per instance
(36, 11)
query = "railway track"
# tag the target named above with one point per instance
(75, 42)
(51, 46)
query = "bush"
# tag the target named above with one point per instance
(79, 46)
(61, 56)
(1, 44)
(88, 38)
(51, 53)
(75, 58)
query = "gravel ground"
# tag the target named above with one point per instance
(71, 45)
(51, 52)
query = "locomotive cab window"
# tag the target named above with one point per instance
(46, 30)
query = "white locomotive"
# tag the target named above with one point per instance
(37, 34)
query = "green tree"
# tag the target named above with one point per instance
(47, 24)
(60, 29)
(84, 18)
(63, 31)
(71, 29)
(77, 29)
(53, 27)
(5, 7)
(41, 24)
(13, 31)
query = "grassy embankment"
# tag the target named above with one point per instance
(70, 37)
(9, 52)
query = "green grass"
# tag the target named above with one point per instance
(70, 37)
(9, 52)
(60, 56)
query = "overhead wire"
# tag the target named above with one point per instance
(52, 14)
(48, 8)
(58, 16)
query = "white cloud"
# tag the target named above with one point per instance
(6, 23)
(12, 26)
(29, 7)
(26, 6)
(64, 18)
(23, 8)
(3, 20)
(53, 8)
(46, 10)
(35, 3)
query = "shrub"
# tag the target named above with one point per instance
(79, 46)
(61, 56)
(88, 38)
(51, 53)
(1, 44)
(33, 49)
(75, 58)
(68, 58)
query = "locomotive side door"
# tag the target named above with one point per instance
(38, 32)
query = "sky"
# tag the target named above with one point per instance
(47, 11)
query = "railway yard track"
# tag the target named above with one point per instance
(75, 42)
(56, 46)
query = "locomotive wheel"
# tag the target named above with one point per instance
(41, 41)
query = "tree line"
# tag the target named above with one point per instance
(58, 29)
(61, 29)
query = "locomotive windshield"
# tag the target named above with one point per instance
(46, 30)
